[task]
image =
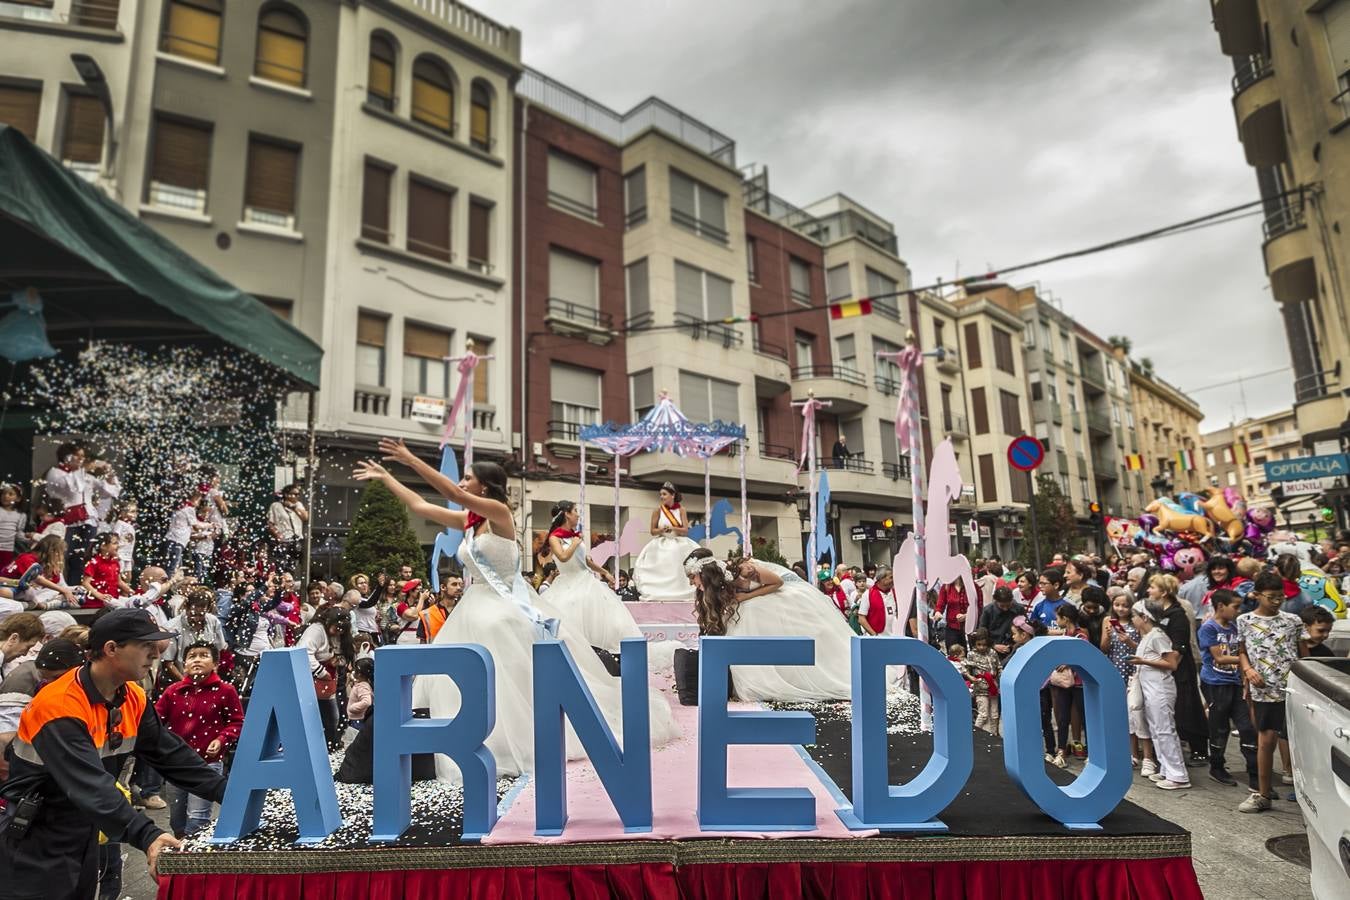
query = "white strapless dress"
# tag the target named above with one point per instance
(658, 571)
(491, 617)
(796, 609)
(588, 605)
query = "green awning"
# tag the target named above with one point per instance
(104, 273)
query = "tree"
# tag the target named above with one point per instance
(1120, 342)
(1056, 527)
(767, 550)
(1146, 364)
(381, 538)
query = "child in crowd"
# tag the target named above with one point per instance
(627, 591)
(203, 539)
(1221, 684)
(1119, 640)
(1268, 648)
(1317, 622)
(956, 655)
(179, 534)
(1066, 688)
(125, 529)
(360, 690)
(205, 712)
(103, 574)
(1154, 663)
(982, 669)
(11, 522)
(48, 589)
(194, 625)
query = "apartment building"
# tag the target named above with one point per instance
(348, 164)
(1236, 455)
(1291, 101)
(1167, 425)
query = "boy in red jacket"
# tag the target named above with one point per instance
(205, 712)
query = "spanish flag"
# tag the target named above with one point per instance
(1185, 462)
(851, 308)
(1134, 462)
(1242, 455)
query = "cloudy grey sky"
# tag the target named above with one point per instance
(991, 132)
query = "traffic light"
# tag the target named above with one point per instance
(889, 524)
(1095, 512)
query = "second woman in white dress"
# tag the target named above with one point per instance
(580, 598)
(658, 570)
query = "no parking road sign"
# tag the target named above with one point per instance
(1025, 453)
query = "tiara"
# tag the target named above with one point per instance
(698, 564)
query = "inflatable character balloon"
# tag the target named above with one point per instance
(1217, 508)
(1260, 522)
(1188, 561)
(1322, 590)
(1174, 518)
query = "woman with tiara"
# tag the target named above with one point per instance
(501, 613)
(578, 596)
(658, 572)
(756, 601)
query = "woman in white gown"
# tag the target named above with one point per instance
(658, 571)
(579, 597)
(501, 613)
(773, 606)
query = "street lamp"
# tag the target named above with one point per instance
(92, 75)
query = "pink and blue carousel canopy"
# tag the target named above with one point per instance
(665, 428)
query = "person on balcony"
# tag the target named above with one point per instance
(840, 452)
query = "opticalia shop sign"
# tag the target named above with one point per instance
(1307, 467)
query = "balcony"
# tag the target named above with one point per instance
(949, 362)
(1092, 374)
(1105, 466)
(699, 330)
(858, 479)
(1076, 420)
(1260, 115)
(1099, 423)
(573, 319)
(898, 469)
(891, 387)
(844, 387)
(762, 472)
(564, 437)
(1320, 417)
(371, 401)
(1238, 23)
(1288, 252)
(773, 375)
(778, 452)
(954, 425)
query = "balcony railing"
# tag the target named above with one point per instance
(896, 470)
(1099, 422)
(888, 386)
(638, 322)
(561, 430)
(887, 308)
(699, 227)
(1093, 375)
(174, 197)
(635, 217)
(850, 464)
(770, 349)
(843, 373)
(1250, 71)
(575, 207)
(579, 313)
(1289, 217)
(469, 21)
(954, 423)
(1314, 385)
(777, 451)
(1076, 420)
(371, 401)
(698, 330)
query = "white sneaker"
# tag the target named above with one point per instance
(1173, 785)
(1157, 777)
(1148, 767)
(1049, 757)
(1059, 761)
(1254, 803)
(1286, 779)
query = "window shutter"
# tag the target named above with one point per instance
(635, 192)
(574, 385)
(480, 218)
(639, 289)
(719, 296)
(644, 390)
(879, 285)
(988, 481)
(725, 401)
(428, 220)
(573, 181)
(380, 76)
(82, 136)
(573, 278)
(182, 153)
(799, 277)
(370, 329)
(1337, 20)
(712, 208)
(682, 190)
(96, 14)
(694, 401)
(271, 177)
(972, 346)
(375, 203)
(19, 108)
(1003, 352)
(979, 410)
(281, 48)
(480, 117)
(837, 283)
(688, 290)
(1012, 414)
(193, 31)
(889, 451)
(480, 373)
(424, 341)
(432, 98)
(847, 349)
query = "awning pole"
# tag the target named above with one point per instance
(311, 475)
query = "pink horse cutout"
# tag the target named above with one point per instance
(630, 541)
(944, 486)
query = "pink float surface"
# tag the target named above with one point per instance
(662, 613)
(591, 816)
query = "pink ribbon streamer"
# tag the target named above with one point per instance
(466, 365)
(907, 407)
(809, 407)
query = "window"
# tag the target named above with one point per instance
(429, 220)
(370, 340)
(1037, 391)
(1021, 490)
(1336, 18)
(890, 452)
(1003, 352)
(972, 348)
(192, 30)
(641, 389)
(179, 164)
(700, 295)
(846, 350)
(19, 108)
(433, 95)
(1129, 418)
(1028, 342)
(799, 279)
(575, 395)
(888, 369)
(281, 47)
(988, 479)
(1209, 458)
(1115, 413)
(269, 187)
(1053, 385)
(481, 347)
(573, 286)
(947, 408)
(571, 185)
(1083, 489)
(705, 399)
(1232, 478)
(1072, 391)
(752, 260)
(380, 73)
(697, 207)
(1257, 435)
(480, 116)
(882, 289)
(837, 283)
(635, 197)
(852, 432)
(639, 291)
(375, 202)
(426, 371)
(1011, 412)
(82, 134)
(480, 234)
(1067, 361)
(939, 333)
(804, 345)
(979, 410)
(1046, 340)
(97, 14)
(1043, 434)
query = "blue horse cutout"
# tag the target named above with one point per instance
(720, 511)
(448, 541)
(824, 540)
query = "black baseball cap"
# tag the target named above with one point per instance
(125, 625)
(58, 655)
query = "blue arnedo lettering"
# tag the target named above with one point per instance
(284, 714)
